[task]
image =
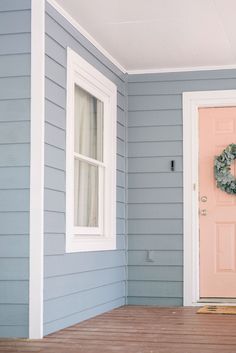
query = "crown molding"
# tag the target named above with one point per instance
(76, 25)
(181, 69)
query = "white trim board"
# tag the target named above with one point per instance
(36, 170)
(181, 69)
(191, 102)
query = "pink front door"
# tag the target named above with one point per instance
(217, 129)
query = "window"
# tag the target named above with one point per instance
(90, 158)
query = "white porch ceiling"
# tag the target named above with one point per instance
(160, 34)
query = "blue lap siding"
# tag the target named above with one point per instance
(155, 194)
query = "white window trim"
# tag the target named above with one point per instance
(191, 102)
(80, 72)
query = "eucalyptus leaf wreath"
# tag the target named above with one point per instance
(224, 179)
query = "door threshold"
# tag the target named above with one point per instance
(218, 301)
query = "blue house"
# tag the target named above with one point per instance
(99, 206)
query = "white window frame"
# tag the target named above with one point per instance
(84, 75)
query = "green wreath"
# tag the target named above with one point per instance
(224, 179)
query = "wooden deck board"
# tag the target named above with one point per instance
(135, 329)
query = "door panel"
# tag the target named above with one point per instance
(225, 245)
(217, 129)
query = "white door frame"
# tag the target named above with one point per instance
(191, 102)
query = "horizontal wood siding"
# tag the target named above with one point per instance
(155, 194)
(79, 285)
(14, 166)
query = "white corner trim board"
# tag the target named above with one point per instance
(36, 171)
(191, 102)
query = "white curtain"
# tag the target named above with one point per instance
(87, 143)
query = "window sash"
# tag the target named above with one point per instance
(78, 230)
(88, 124)
(86, 230)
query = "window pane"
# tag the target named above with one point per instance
(88, 124)
(86, 194)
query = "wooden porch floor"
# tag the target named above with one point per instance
(136, 329)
